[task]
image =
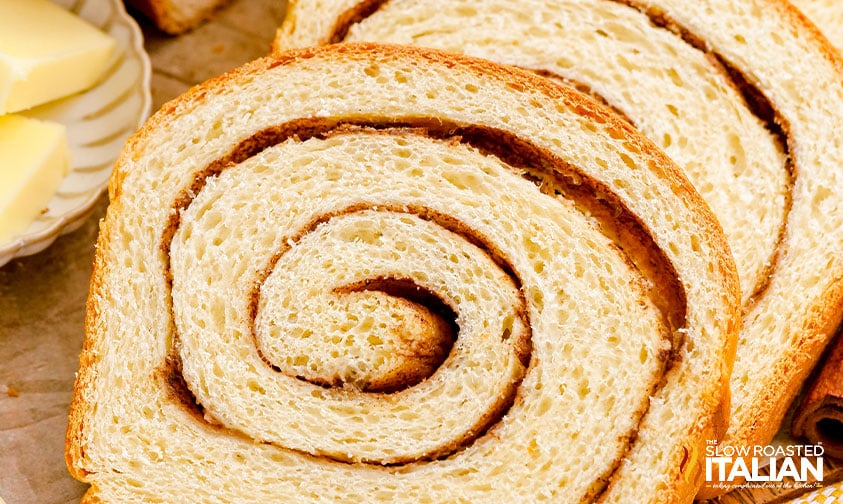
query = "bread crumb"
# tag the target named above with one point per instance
(218, 48)
(12, 391)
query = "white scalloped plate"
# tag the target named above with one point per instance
(98, 122)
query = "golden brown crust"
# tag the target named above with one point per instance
(88, 358)
(91, 497)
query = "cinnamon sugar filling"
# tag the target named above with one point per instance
(552, 176)
(442, 317)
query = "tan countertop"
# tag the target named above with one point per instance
(42, 297)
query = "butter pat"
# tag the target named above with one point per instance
(47, 53)
(33, 160)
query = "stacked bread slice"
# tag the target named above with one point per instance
(745, 95)
(377, 273)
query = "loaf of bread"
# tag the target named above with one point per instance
(744, 95)
(827, 15)
(364, 273)
(178, 16)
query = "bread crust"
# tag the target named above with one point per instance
(715, 396)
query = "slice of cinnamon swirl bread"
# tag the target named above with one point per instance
(365, 273)
(744, 95)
